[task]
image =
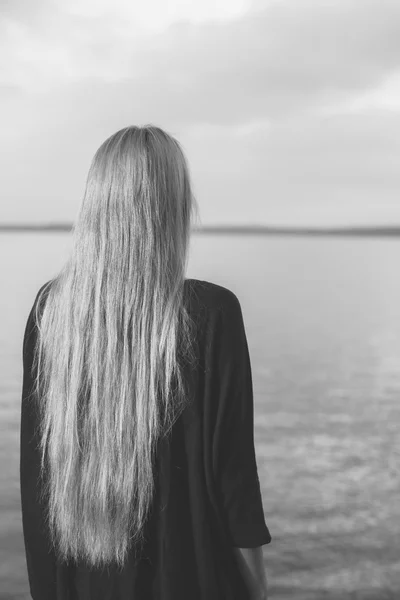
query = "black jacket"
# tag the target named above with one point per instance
(207, 479)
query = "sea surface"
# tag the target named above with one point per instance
(322, 317)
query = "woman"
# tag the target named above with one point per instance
(138, 471)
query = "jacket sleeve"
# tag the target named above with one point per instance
(40, 558)
(234, 458)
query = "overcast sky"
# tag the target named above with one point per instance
(288, 110)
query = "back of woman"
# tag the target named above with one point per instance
(138, 471)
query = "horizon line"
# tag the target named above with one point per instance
(237, 228)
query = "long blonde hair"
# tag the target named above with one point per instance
(112, 337)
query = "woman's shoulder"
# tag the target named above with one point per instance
(213, 306)
(40, 298)
(211, 295)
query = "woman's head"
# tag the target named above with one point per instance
(113, 334)
(138, 198)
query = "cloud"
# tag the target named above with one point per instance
(341, 161)
(269, 105)
(279, 59)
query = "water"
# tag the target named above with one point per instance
(322, 317)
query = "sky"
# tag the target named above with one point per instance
(288, 110)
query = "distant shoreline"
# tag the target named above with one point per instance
(381, 231)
